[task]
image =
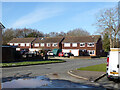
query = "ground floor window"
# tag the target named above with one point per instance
(83, 52)
(91, 52)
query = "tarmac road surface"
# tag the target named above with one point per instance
(59, 71)
(38, 70)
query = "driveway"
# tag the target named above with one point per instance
(38, 70)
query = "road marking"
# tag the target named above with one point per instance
(77, 76)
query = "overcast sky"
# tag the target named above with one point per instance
(52, 17)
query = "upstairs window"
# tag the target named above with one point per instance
(27, 44)
(15, 44)
(54, 45)
(22, 44)
(90, 45)
(82, 44)
(66, 44)
(74, 44)
(48, 44)
(11, 44)
(42, 44)
(36, 44)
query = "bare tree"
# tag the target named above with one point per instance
(7, 35)
(11, 33)
(62, 34)
(78, 32)
(52, 34)
(107, 22)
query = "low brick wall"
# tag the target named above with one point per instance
(80, 57)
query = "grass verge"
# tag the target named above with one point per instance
(100, 67)
(30, 63)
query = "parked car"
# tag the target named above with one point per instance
(66, 55)
(70, 54)
(50, 53)
(23, 52)
(61, 54)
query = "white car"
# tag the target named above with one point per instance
(113, 62)
(50, 53)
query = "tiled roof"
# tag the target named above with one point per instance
(48, 40)
(22, 40)
(92, 38)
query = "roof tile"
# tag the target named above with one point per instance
(22, 40)
(92, 38)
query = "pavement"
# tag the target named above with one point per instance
(87, 75)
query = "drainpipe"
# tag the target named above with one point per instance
(32, 42)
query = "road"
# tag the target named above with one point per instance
(59, 71)
(38, 70)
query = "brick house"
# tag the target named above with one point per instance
(22, 43)
(48, 43)
(91, 44)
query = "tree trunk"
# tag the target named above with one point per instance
(118, 43)
(114, 42)
(110, 40)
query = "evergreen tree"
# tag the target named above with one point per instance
(106, 42)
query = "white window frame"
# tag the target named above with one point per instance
(17, 49)
(42, 44)
(83, 45)
(11, 44)
(15, 44)
(36, 44)
(74, 44)
(66, 44)
(54, 44)
(22, 44)
(48, 45)
(90, 43)
(27, 44)
(93, 52)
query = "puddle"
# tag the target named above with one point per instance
(41, 82)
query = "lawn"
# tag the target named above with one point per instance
(30, 63)
(100, 67)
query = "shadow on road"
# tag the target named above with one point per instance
(16, 76)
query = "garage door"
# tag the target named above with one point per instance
(75, 52)
(66, 50)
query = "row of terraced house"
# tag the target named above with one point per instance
(74, 44)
